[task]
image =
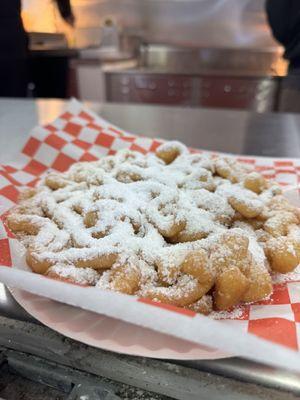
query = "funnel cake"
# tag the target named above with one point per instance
(185, 229)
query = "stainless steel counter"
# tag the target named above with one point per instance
(222, 130)
(239, 132)
(242, 61)
(235, 78)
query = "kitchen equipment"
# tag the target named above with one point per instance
(241, 61)
(47, 41)
(200, 77)
(253, 93)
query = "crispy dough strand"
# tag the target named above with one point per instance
(192, 230)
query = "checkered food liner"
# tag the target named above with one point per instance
(268, 331)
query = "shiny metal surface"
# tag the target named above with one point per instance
(46, 348)
(215, 90)
(10, 308)
(222, 130)
(248, 371)
(126, 48)
(235, 78)
(242, 61)
(238, 132)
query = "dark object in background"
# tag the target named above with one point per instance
(13, 50)
(13, 77)
(65, 11)
(284, 20)
(49, 76)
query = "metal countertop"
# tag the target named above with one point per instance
(239, 132)
(197, 71)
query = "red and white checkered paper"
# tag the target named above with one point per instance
(80, 135)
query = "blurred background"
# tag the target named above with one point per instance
(227, 84)
(200, 53)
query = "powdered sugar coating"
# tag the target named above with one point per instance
(139, 216)
(149, 205)
(82, 276)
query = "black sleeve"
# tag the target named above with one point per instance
(280, 18)
(64, 7)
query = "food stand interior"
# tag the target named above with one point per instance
(177, 52)
(206, 72)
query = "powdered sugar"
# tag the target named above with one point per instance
(138, 209)
(290, 276)
(82, 276)
(236, 313)
(241, 194)
(132, 215)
